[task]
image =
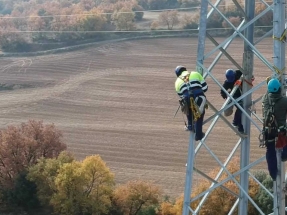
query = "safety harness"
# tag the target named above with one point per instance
(195, 109)
(270, 129)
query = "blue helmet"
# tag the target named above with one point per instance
(273, 85)
(230, 75)
(179, 69)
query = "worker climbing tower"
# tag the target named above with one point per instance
(244, 31)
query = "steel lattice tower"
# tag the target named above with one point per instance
(277, 69)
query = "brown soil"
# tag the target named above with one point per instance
(118, 101)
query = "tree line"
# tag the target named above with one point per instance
(39, 176)
(81, 18)
(53, 23)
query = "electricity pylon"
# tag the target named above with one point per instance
(245, 31)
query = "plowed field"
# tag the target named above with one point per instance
(118, 100)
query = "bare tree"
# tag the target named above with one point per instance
(169, 18)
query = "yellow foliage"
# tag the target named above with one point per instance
(73, 187)
(44, 173)
(166, 208)
(135, 195)
(124, 19)
(83, 187)
(219, 201)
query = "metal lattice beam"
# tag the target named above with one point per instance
(246, 32)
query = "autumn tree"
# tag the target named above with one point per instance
(167, 208)
(267, 18)
(169, 18)
(12, 41)
(190, 21)
(20, 24)
(83, 187)
(87, 4)
(92, 21)
(232, 10)
(43, 174)
(220, 201)
(124, 19)
(136, 196)
(77, 18)
(22, 146)
(263, 199)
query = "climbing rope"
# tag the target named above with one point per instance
(194, 109)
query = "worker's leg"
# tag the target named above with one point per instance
(284, 154)
(271, 160)
(198, 127)
(237, 119)
(189, 120)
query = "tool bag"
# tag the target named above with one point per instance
(184, 106)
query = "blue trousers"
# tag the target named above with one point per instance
(272, 160)
(237, 117)
(198, 127)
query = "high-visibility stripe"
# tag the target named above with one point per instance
(195, 81)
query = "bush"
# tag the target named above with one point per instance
(148, 211)
(154, 25)
(263, 199)
(22, 197)
(191, 25)
(215, 21)
(189, 21)
(13, 42)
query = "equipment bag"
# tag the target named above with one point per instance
(282, 139)
(228, 111)
(184, 106)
